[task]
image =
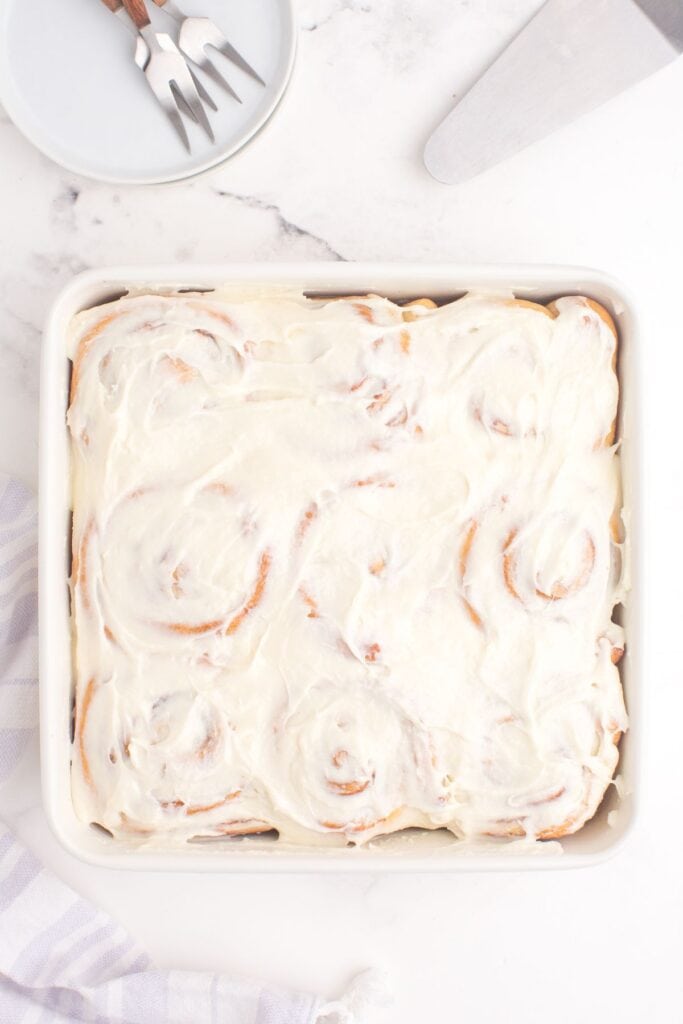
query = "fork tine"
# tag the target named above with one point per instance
(203, 94)
(176, 120)
(195, 105)
(232, 54)
(181, 103)
(210, 69)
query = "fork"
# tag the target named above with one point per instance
(198, 33)
(141, 57)
(168, 74)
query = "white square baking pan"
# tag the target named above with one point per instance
(413, 850)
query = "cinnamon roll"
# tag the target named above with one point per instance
(342, 567)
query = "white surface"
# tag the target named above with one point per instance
(68, 79)
(339, 171)
(425, 851)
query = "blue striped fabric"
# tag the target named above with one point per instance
(18, 622)
(62, 959)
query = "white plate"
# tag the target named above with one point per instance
(68, 81)
(416, 850)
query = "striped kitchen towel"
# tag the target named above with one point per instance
(62, 959)
(18, 622)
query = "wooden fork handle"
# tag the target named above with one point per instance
(113, 5)
(160, 3)
(138, 12)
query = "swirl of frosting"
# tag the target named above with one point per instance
(549, 555)
(174, 763)
(344, 761)
(200, 564)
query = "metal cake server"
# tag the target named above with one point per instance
(571, 57)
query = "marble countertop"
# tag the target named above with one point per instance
(337, 175)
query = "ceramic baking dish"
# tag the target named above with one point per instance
(415, 849)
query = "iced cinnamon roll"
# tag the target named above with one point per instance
(342, 567)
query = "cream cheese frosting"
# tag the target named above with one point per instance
(342, 567)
